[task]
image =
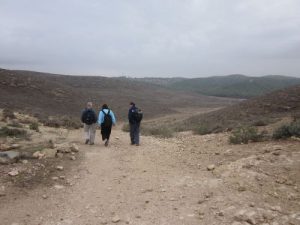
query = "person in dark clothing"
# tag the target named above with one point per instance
(106, 120)
(134, 124)
(89, 119)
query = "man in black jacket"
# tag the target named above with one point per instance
(134, 124)
(89, 118)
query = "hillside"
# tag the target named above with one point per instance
(237, 86)
(46, 95)
(264, 109)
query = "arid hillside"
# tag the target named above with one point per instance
(257, 111)
(45, 95)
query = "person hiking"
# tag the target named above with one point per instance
(106, 120)
(89, 119)
(135, 117)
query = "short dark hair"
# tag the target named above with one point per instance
(132, 103)
(104, 106)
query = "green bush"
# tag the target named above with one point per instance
(12, 132)
(34, 126)
(163, 131)
(243, 135)
(286, 131)
(65, 121)
(202, 130)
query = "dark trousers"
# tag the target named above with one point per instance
(105, 132)
(134, 133)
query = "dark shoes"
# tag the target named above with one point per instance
(87, 141)
(106, 143)
(92, 143)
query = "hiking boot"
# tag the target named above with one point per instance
(106, 143)
(92, 143)
(137, 144)
(87, 141)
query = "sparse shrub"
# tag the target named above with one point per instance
(12, 132)
(163, 131)
(295, 128)
(125, 127)
(260, 123)
(67, 122)
(243, 135)
(52, 123)
(202, 130)
(286, 131)
(8, 113)
(34, 126)
(15, 123)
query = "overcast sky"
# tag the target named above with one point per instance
(190, 38)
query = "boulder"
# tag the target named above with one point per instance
(38, 155)
(9, 157)
(211, 167)
(74, 148)
(49, 152)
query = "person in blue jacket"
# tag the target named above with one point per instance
(106, 120)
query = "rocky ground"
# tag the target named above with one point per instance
(187, 179)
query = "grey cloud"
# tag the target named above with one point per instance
(151, 38)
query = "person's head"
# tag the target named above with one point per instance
(89, 105)
(104, 106)
(131, 104)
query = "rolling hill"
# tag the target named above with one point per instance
(44, 95)
(236, 86)
(263, 109)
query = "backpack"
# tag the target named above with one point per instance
(107, 119)
(138, 115)
(89, 117)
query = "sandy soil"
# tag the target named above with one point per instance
(165, 181)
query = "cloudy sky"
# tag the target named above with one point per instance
(190, 38)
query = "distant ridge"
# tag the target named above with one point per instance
(46, 95)
(235, 85)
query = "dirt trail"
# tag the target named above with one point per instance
(167, 182)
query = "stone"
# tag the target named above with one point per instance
(277, 153)
(60, 168)
(241, 188)
(38, 155)
(13, 173)
(74, 148)
(63, 149)
(54, 178)
(72, 157)
(24, 161)
(4, 147)
(9, 157)
(49, 152)
(45, 196)
(211, 167)
(59, 155)
(115, 219)
(59, 186)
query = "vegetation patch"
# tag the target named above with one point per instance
(34, 126)
(202, 130)
(65, 121)
(161, 131)
(286, 131)
(12, 132)
(244, 135)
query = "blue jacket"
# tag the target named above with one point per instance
(101, 116)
